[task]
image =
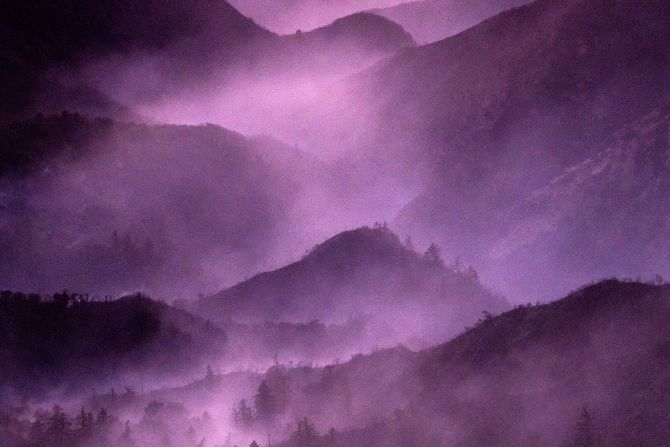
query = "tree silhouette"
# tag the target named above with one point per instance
(84, 422)
(273, 394)
(243, 416)
(126, 438)
(305, 434)
(409, 244)
(434, 254)
(264, 402)
(57, 432)
(585, 430)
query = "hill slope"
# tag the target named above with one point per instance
(432, 20)
(582, 57)
(364, 271)
(519, 379)
(70, 343)
(485, 117)
(606, 214)
(44, 37)
(287, 16)
(128, 58)
(107, 207)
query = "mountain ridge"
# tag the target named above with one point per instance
(433, 20)
(362, 271)
(520, 378)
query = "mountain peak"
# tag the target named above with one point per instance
(365, 271)
(372, 31)
(359, 243)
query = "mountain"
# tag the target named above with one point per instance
(206, 392)
(265, 87)
(488, 116)
(466, 92)
(107, 207)
(602, 215)
(360, 272)
(287, 16)
(362, 38)
(523, 378)
(605, 214)
(69, 342)
(433, 20)
(132, 59)
(44, 38)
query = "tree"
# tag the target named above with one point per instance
(126, 438)
(52, 430)
(39, 427)
(273, 394)
(458, 264)
(102, 418)
(409, 244)
(253, 444)
(330, 437)
(264, 402)
(243, 416)
(585, 430)
(84, 421)
(58, 423)
(434, 254)
(305, 434)
(381, 226)
(103, 423)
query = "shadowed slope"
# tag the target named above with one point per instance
(433, 20)
(519, 379)
(491, 114)
(71, 343)
(359, 272)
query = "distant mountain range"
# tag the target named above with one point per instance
(531, 140)
(107, 207)
(432, 20)
(427, 21)
(114, 58)
(449, 140)
(605, 214)
(489, 116)
(47, 38)
(288, 16)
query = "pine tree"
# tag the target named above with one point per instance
(102, 418)
(243, 416)
(126, 438)
(585, 430)
(58, 429)
(264, 402)
(84, 422)
(305, 434)
(433, 254)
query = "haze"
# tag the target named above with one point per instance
(334, 223)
